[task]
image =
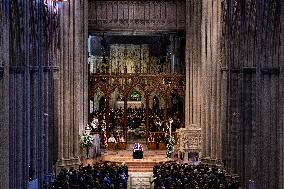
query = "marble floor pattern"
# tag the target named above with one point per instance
(140, 180)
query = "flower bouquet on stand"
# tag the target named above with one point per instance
(87, 142)
(170, 146)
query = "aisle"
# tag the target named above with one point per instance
(150, 158)
(140, 170)
(140, 180)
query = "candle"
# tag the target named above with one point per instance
(171, 120)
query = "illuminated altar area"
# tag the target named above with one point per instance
(136, 84)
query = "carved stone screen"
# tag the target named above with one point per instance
(136, 15)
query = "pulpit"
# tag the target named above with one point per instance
(121, 145)
(111, 145)
(162, 146)
(189, 141)
(152, 146)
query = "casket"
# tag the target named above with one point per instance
(138, 155)
(137, 151)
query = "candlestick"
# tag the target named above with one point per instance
(171, 120)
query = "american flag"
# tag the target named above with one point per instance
(137, 147)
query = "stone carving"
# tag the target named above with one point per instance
(189, 138)
(139, 180)
(154, 83)
(104, 15)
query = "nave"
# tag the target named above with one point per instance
(115, 169)
(183, 80)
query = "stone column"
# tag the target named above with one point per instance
(187, 74)
(281, 104)
(252, 136)
(4, 95)
(203, 73)
(73, 76)
(194, 108)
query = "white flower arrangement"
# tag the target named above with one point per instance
(87, 140)
(170, 146)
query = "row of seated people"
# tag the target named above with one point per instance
(116, 142)
(135, 118)
(156, 141)
(102, 175)
(172, 175)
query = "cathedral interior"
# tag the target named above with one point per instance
(207, 72)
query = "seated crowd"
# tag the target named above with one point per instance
(136, 123)
(102, 175)
(172, 175)
(135, 117)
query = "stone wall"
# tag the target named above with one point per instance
(235, 85)
(43, 95)
(136, 16)
(4, 95)
(252, 62)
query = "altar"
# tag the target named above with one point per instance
(130, 104)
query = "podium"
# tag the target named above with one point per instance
(152, 146)
(121, 145)
(162, 146)
(137, 154)
(111, 146)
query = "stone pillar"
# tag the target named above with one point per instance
(73, 82)
(203, 73)
(281, 113)
(252, 137)
(193, 103)
(32, 86)
(212, 15)
(187, 101)
(4, 95)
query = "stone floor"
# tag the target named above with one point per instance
(140, 170)
(140, 180)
